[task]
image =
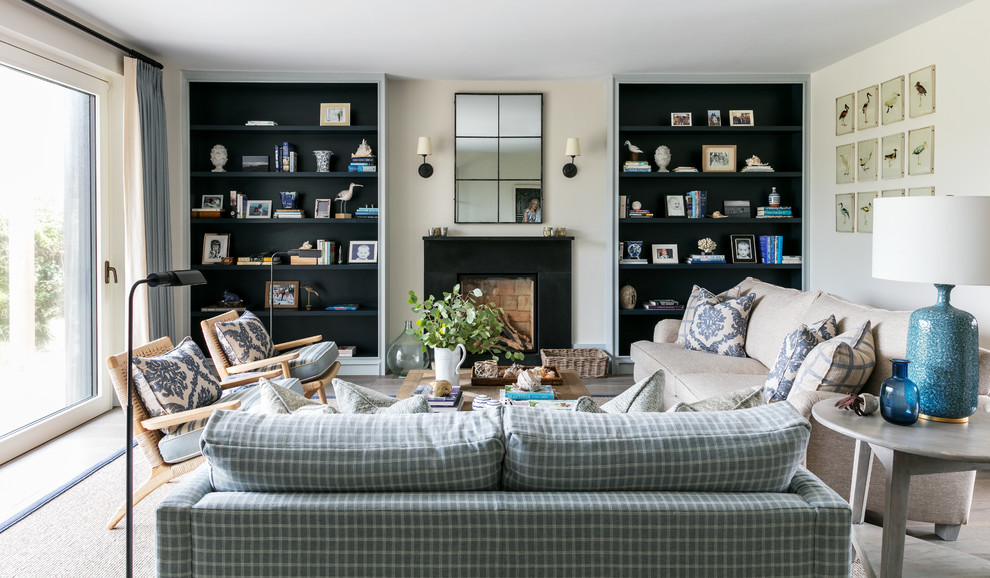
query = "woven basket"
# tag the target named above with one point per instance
(586, 362)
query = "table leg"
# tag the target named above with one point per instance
(895, 515)
(862, 462)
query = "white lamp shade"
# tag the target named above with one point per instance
(573, 147)
(424, 147)
(943, 240)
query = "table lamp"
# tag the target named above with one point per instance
(940, 240)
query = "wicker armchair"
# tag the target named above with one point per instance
(147, 430)
(226, 369)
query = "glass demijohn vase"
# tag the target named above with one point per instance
(899, 397)
(406, 353)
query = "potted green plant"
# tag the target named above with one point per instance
(456, 324)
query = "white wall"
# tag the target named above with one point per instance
(570, 109)
(958, 45)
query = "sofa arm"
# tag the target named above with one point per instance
(175, 546)
(666, 330)
(833, 519)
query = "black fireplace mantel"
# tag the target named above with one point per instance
(548, 259)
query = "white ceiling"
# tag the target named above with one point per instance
(504, 39)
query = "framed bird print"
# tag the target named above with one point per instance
(892, 100)
(864, 212)
(845, 212)
(845, 159)
(892, 193)
(866, 116)
(844, 117)
(892, 163)
(921, 192)
(921, 88)
(921, 146)
(867, 160)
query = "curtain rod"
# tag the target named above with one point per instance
(129, 51)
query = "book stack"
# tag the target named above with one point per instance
(450, 402)
(366, 213)
(771, 247)
(695, 204)
(362, 165)
(774, 212)
(286, 158)
(345, 350)
(205, 214)
(329, 251)
(685, 170)
(636, 167)
(511, 392)
(288, 214)
(255, 260)
(238, 204)
(261, 123)
(640, 214)
(639, 261)
(791, 259)
(305, 256)
(553, 404)
(701, 258)
(663, 305)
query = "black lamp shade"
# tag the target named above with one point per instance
(176, 278)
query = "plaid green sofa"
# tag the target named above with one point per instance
(505, 492)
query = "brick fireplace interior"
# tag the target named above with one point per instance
(517, 297)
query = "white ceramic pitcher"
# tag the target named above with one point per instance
(448, 363)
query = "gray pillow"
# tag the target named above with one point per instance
(277, 399)
(645, 396)
(352, 398)
(739, 399)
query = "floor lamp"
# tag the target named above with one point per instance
(163, 279)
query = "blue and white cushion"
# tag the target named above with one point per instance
(841, 365)
(793, 352)
(719, 326)
(244, 339)
(645, 396)
(175, 381)
(352, 398)
(691, 308)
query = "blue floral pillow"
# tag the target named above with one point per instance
(175, 381)
(794, 350)
(720, 326)
(698, 295)
(244, 339)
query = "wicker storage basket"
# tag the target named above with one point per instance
(586, 362)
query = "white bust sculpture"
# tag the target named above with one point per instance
(363, 150)
(662, 157)
(218, 156)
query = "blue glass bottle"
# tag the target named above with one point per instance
(899, 396)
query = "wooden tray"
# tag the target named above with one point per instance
(500, 381)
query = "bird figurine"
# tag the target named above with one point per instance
(845, 163)
(843, 211)
(346, 195)
(842, 115)
(633, 150)
(918, 150)
(890, 102)
(922, 91)
(866, 106)
(310, 291)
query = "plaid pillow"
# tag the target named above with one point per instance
(793, 352)
(691, 308)
(244, 339)
(841, 365)
(719, 326)
(175, 381)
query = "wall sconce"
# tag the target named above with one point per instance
(573, 150)
(425, 147)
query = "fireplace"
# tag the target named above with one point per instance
(529, 277)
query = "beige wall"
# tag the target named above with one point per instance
(570, 109)
(957, 44)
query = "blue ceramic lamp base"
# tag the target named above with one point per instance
(943, 346)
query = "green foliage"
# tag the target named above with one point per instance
(48, 276)
(460, 320)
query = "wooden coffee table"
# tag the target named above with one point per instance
(572, 388)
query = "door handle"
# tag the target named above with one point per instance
(107, 270)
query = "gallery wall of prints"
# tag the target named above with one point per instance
(877, 153)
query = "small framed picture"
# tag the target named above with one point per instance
(675, 206)
(664, 254)
(845, 212)
(867, 150)
(864, 211)
(282, 295)
(845, 156)
(921, 88)
(714, 118)
(254, 163)
(259, 209)
(892, 148)
(921, 192)
(921, 147)
(866, 117)
(322, 209)
(892, 100)
(718, 158)
(844, 121)
(362, 252)
(737, 209)
(216, 247)
(741, 118)
(680, 119)
(892, 193)
(743, 248)
(335, 114)
(213, 202)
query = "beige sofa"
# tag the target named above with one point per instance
(941, 499)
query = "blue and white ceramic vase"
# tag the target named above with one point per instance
(899, 400)
(635, 249)
(323, 161)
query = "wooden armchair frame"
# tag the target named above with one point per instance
(147, 429)
(226, 369)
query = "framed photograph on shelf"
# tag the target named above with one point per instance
(675, 206)
(867, 160)
(680, 119)
(259, 209)
(845, 212)
(323, 208)
(216, 247)
(714, 118)
(213, 202)
(362, 252)
(892, 100)
(867, 113)
(718, 158)
(921, 145)
(335, 114)
(845, 156)
(844, 122)
(741, 118)
(743, 248)
(892, 147)
(282, 295)
(664, 254)
(921, 91)
(737, 209)
(864, 211)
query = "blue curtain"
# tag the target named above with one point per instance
(154, 159)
